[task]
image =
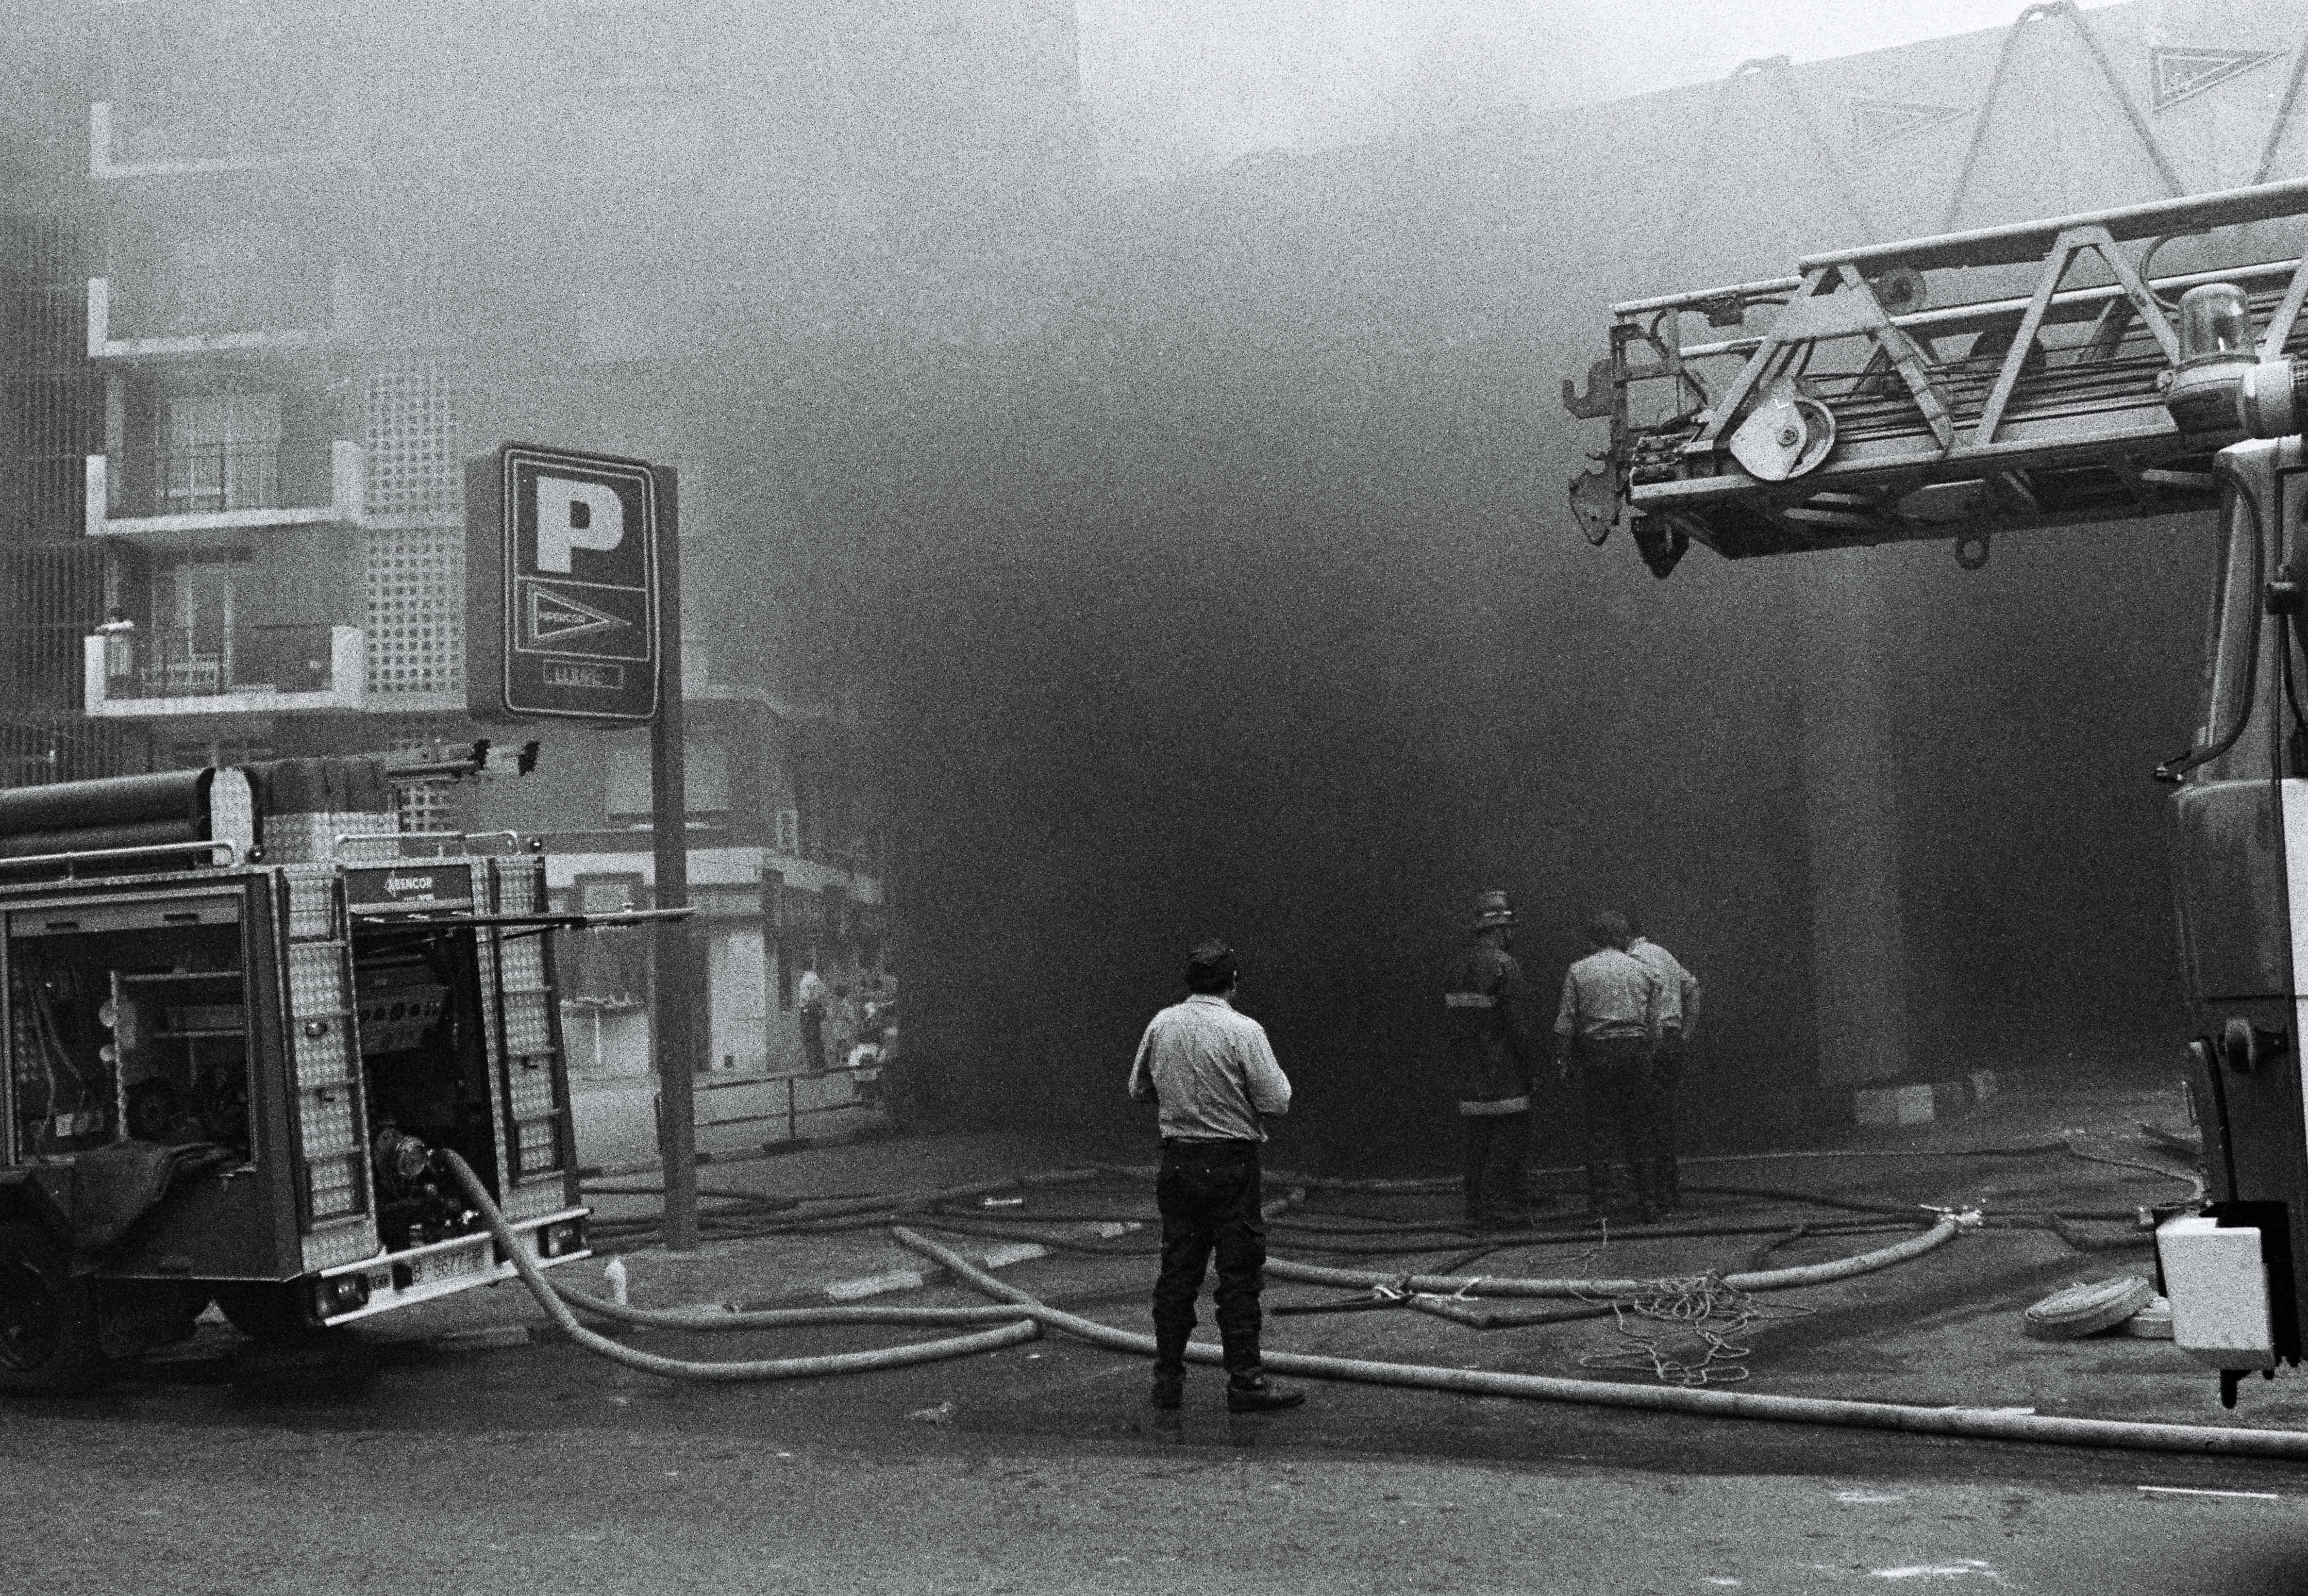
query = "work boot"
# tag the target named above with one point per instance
(1252, 1392)
(1169, 1390)
(1248, 1390)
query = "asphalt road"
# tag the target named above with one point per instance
(1037, 1469)
(408, 1468)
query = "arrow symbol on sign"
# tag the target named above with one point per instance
(556, 617)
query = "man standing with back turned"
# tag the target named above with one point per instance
(1215, 1079)
(1678, 1017)
(1607, 1025)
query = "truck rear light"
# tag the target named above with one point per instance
(342, 1294)
(559, 1240)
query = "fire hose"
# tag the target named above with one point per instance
(1769, 1280)
(1032, 1315)
(1019, 1327)
(1987, 1423)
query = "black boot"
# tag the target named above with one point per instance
(1170, 1366)
(1254, 1393)
(1248, 1390)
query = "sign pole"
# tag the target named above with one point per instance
(571, 620)
(672, 1025)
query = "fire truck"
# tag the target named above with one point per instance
(245, 1017)
(2141, 361)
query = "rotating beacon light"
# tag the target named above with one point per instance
(2216, 358)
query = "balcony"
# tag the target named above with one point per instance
(244, 670)
(169, 140)
(217, 486)
(166, 317)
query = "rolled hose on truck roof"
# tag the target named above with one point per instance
(1032, 1316)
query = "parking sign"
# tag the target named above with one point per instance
(561, 561)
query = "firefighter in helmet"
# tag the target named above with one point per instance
(1482, 996)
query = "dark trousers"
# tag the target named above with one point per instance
(1620, 1111)
(1208, 1194)
(1666, 1084)
(812, 1040)
(1498, 1159)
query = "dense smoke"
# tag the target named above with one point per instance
(1192, 524)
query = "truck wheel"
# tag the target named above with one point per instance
(271, 1312)
(48, 1314)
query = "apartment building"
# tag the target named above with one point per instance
(274, 270)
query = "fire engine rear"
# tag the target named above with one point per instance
(245, 1017)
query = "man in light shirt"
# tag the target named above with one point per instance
(1607, 1027)
(1678, 1017)
(809, 996)
(1215, 1078)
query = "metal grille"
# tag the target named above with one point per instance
(31, 754)
(312, 905)
(51, 596)
(51, 404)
(529, 1060)
(415, 610)
(343, 1241)
(328, 1117)
(412, 438)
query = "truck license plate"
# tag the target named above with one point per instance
(453, 1262)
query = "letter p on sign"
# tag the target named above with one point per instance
(575, 515)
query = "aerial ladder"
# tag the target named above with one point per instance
(2144, 361)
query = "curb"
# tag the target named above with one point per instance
(1925, 1102)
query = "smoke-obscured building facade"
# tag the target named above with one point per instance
(272, 271)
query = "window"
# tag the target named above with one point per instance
(194, 612)
(610, 966)
(219, 451)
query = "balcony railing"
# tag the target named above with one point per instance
(206, 663)
(214, 485)
(207, 478)
(237, 670)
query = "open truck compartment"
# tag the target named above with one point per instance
(241, 1024)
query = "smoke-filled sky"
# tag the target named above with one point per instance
(1175, 84)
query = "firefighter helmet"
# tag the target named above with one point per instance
(1492, 909)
